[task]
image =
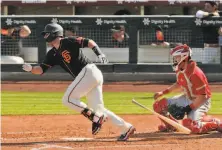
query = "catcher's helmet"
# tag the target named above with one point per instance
(52, 31)
(183, 51)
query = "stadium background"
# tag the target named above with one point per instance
(136, 67)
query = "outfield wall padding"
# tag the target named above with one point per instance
(108, 77)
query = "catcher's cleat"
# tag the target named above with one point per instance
(166, 128)
(125, 136)
(219, 129)
(219, 123)
(96, 126)
(206, 127)
(208, 118)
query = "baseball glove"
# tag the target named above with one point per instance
(176, 111)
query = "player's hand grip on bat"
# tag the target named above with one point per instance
(103, 59)
(27, 67)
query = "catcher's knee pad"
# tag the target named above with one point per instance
(187, 122)
(161, 106)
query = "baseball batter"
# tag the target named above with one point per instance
(196, 100)
(88, 79)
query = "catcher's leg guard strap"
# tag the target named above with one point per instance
(161, 106)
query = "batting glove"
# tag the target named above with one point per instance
(103, 59)
(27, 67)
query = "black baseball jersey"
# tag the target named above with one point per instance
(69, 56)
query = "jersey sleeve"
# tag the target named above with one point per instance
(199, 85)
(48, 62)
(82, 42)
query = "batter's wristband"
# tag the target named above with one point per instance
(97, 50)
(166, 91)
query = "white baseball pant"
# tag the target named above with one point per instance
(89, 83)
(197, 114)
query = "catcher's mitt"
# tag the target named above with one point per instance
(176, 111)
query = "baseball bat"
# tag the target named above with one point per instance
(176, 125)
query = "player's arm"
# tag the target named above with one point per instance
(33, 69)
(24, 31)
(203, 14)
(7, 32)
(199, 100)
(84, 42)
(170, 89)
(43, 67)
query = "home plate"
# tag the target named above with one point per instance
(79, 139)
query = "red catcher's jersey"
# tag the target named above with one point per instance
(193, 81)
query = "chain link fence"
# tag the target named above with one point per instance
(150, 50)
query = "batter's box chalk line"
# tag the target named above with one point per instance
(79, 139)
(46, 146)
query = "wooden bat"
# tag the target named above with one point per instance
(176, 125)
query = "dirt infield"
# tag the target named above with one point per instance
(63, 132)
(108, 87)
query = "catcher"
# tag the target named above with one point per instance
(196, 100)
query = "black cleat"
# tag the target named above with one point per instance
(125, 136)
(96, 126)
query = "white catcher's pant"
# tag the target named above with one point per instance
(197, 114)
(89, 83)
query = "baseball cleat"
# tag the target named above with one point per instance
(219, 129)
(164, 128)
(96, 126)
(219, 122)
(125, 136)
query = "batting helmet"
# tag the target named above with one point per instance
(52, 31)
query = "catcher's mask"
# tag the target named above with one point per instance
(52, 31)
(180, 54)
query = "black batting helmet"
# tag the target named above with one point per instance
(52, 31)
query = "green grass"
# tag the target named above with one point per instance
(23, 103)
